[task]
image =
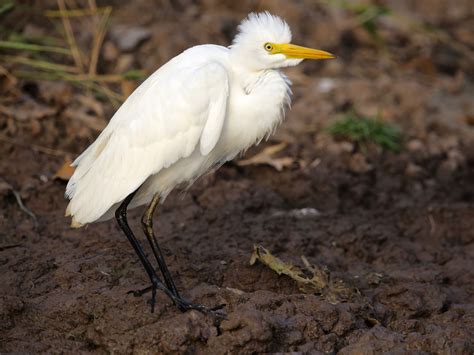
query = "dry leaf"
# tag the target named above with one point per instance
(65, 171)
(265, 257)
(265, 157)
(312, 280)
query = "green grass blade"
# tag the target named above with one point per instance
(33, 47)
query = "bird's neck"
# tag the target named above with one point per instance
(249, 79)
(240, 59)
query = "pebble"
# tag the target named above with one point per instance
(128, 38)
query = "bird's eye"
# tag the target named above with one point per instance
(268, 47)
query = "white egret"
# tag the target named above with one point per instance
(197, 111)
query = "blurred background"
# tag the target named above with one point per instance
(370, 174)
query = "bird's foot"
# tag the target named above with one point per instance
(140, 293)
(216, 311)
(181, 303)
(154, 286)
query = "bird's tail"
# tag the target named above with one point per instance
(82, 166)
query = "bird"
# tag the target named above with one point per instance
(199, 110)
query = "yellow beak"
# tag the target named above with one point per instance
(298, 52)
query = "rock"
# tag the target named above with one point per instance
(128, 38)
(326, 85)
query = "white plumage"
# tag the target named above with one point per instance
(198, 110)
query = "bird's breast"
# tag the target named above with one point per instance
(253, 112)
(256, 106)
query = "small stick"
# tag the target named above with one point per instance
(20, 203)
(74, 12)
(42, 64)
(98, 40)
(70, 36)
(34, 47)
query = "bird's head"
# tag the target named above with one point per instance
(263, 42)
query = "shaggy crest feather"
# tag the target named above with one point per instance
(262, 27)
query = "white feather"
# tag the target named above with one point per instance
(197, 111)
(158, 125)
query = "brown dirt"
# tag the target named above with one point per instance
(397, 228)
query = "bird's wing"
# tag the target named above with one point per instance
(177, 109)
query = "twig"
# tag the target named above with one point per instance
(74, 12)
(84, 71)
(38, 63)
(34, 47)
(98, 40)
(70, 36)
(24, 208)
(20, 203)
(93, 24)
(114, 98)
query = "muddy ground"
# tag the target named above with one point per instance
(396, 229)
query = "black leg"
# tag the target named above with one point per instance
(121, 216)
(147, 223)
